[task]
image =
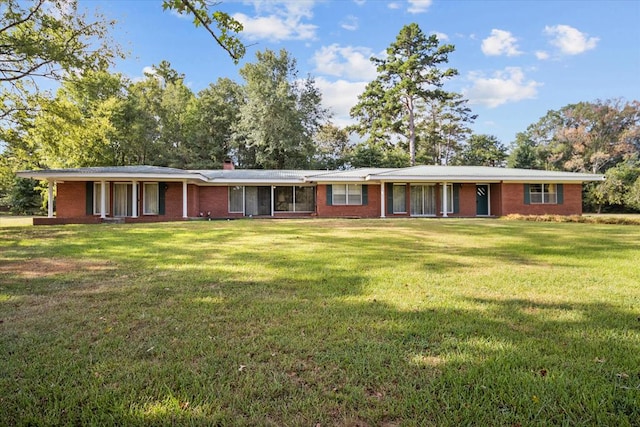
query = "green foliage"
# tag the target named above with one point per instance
(482, 150)
(48, 39)
(409, 77)
(330, 322)
(227, 26)
(25, 197)
(586, 137)
(281, 114)
(523, 153)
(210, 120)
(377, 155)
(616, 189)
(332, 149)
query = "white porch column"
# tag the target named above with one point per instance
(184, 199)
(445, 200)
(134, 199)
(273, 204)
(103, 199)
(50, 199)
(383, 209)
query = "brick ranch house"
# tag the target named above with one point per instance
(150, 193)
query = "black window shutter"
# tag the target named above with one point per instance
(389, 197)
(456, 198)
(89, 201)
(560, 196)
(329, 195)
(162, 187)
(365, 195)
(527, 195)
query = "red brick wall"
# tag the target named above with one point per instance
(216, 201)
(495, 199)
(466, 199)
(173, 200)
(71, 199)
(370, 210)
(513, 201)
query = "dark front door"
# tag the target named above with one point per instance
(482, 199)
(264, 200)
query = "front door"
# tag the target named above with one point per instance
(121, 199)
(482, 200)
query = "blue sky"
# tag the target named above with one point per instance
(516, 59)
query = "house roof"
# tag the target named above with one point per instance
(428, 173)
(422, 173)
(110, 172)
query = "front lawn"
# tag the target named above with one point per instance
(321, 322)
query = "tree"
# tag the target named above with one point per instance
(225, 23)
(332, 145)
(408, 77)
(443, 129)
(281, 114)
(49, 39)
(209, 124)
(523, 153)
(482, 150)
(75, 128)
(618, 188)
(587, 136)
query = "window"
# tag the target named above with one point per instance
(346, 194)
(399, 198)
(151, 199)
(449, 199)
(543, 194)
(236, 199)
(294, 199)
(96, 198)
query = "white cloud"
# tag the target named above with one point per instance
(350, 23)
(345, 61)
(359, 2)
(441, 36)
(503, 87)
(340, 96)
(394, 5)
(569, 40)
(500, 42)
(542, 55)
(278, 20)
(419, 6)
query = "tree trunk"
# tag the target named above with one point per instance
(412, 134)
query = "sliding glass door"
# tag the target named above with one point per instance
(423, 200)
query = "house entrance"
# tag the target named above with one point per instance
(482, 200)
(122, 199)
(257, 200)
(423, 200)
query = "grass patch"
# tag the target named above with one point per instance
(329, 322)
(621, 219)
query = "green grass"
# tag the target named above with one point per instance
(321, 322)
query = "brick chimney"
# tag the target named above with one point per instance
(228, 165)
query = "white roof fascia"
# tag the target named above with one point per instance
(253, 182)
(490, 179)
(58, 176)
